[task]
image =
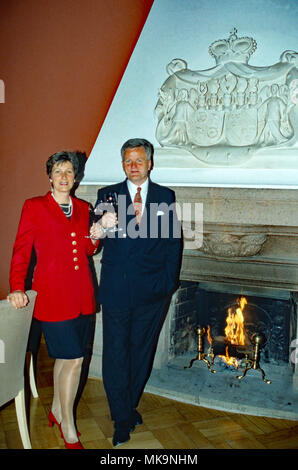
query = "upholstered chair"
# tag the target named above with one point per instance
(14, 332)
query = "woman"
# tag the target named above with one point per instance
(57, 226)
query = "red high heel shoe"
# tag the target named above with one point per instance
(53, 420)
(71, 445)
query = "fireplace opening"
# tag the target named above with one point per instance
(266, 313)
(263, 383)
(263, 315)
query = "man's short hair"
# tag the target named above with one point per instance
(133, 143)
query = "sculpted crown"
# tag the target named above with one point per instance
(233, 49)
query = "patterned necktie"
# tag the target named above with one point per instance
(137, 204)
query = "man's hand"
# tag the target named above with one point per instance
(98, 229)
(109, 220)
(18, 299)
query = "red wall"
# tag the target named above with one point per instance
(61, 62)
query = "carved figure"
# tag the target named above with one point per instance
(274, 131)
(183, 114)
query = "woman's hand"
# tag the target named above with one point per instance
(96, 232)
(18, 299)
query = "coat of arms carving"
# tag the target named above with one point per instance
(226, 114)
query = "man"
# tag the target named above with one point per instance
(140, 272)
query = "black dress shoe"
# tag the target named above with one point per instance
(135, 420)
(121, 433)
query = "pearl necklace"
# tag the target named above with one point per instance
(67, 210)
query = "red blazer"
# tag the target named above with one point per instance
(62, 276)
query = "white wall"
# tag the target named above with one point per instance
(185, 29)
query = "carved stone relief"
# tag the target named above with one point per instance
(231, 245)
(228, 113)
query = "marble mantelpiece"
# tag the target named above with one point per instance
(230, 217)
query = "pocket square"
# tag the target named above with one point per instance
(160, 213)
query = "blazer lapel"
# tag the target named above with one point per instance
(57, 212)
(75, 212)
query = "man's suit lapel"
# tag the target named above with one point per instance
(125, 213)
(152, 200)
(152, 195)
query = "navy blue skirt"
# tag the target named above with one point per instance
(68, 339)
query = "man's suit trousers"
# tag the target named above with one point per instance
(130, 338)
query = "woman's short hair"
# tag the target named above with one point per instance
(64, 156)
(133, 143)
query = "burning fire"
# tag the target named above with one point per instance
(230, 360)
(234, 330)
(209, 335)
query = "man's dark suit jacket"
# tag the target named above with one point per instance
(141, 266)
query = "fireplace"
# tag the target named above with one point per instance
(250, 248)
(225, 328)
(267, 315)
